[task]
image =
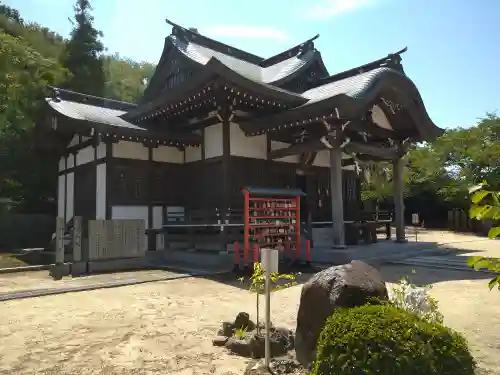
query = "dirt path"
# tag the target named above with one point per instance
(166, 327)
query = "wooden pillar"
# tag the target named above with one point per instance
(336, 196)
(398, 191)
(108, 159)
(226, 172)
(151, 235)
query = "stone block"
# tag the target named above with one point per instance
(123, 264)
(78, 269)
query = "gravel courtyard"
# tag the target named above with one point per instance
(166, 327)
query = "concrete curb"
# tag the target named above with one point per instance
(40, 267)
(84, 288)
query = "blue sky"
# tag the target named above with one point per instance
(453, 45)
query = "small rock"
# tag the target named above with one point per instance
(279, 340)
(279, 366)
(240, 347)
(226, 330)
(219, 341)
(243, 321)
(257, 368)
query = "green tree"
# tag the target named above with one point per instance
(486, 206)
(23, 175)
(11, 13)
(126, 79)
(83, 53)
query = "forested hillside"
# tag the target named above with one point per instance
(32, 57)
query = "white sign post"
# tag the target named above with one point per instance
(415, 220)
(270, 261)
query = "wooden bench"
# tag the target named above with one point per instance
(366, 227)
(201, 227)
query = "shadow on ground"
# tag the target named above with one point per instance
(392, 273)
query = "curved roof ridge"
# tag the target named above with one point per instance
(306, 46)
(392, 60)
(214, 44)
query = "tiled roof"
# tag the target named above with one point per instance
(354, 86)
(274, 73)
(91, 113)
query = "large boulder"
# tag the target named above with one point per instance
(348, 285)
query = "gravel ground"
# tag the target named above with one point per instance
(166, 327)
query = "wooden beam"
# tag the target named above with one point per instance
(367, 149)
(351, 147)
(296, 149)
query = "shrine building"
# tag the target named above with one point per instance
(214, 119)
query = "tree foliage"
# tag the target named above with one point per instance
(486, 206)
(82, 55)
(439, 173)
(31, 57)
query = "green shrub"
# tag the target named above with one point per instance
(386, 340)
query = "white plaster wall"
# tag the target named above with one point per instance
(100, 196)
(70, 195)
(192, 154)
(132, 212)
(250, 147)
(213, 141)
(157, 224)
(322, 159)
(168, 154)
(74, 141)
(130, 150)
(62, 164)
(101, 150)
(60, 196)
(275, 145)
(379, 118)
(85, 155)
(71, 161)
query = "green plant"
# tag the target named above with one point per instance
(382, 339)
(486, 206)
(258, 284)
(415, 299)
(240, 332)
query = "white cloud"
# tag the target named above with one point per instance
(242, 31)
(329, 8)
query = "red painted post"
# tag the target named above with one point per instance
(255, 253)
(236, 254)
(297, 227)
(246, 229)
(245, 257)
(308, 251)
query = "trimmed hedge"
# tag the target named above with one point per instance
(382, 339)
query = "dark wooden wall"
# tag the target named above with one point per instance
(199, 185)
(85, 191)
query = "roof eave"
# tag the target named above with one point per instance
(212, 69)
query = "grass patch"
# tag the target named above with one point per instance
(8, 260)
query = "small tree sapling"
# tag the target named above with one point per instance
(258, 284)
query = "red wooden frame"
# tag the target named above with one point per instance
(259, 230)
